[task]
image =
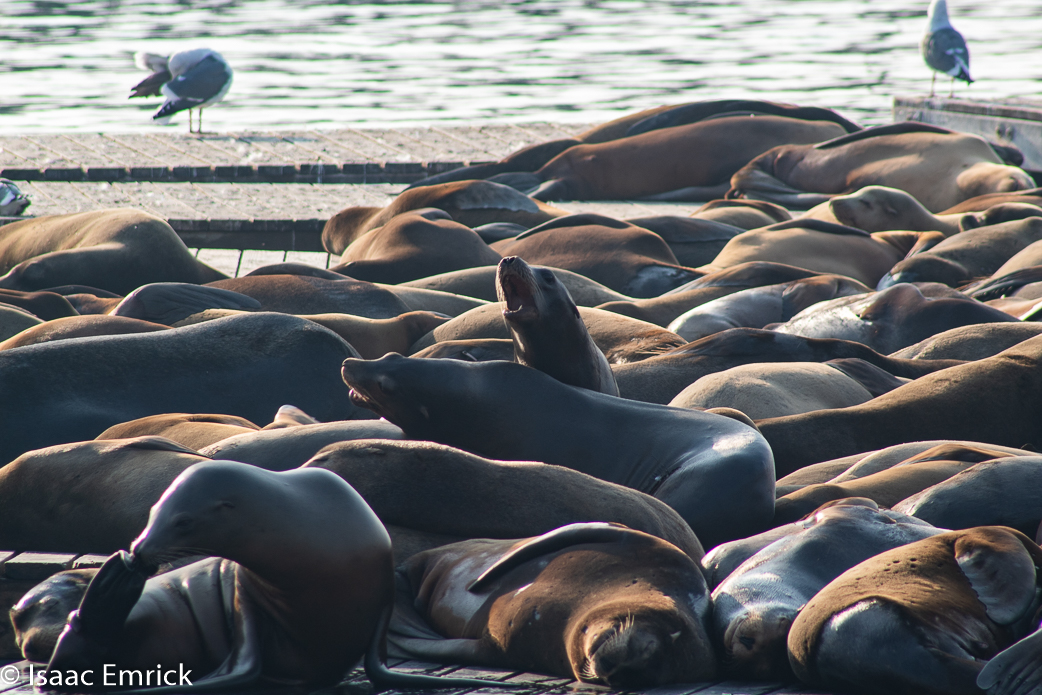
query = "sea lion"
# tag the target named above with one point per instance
(194, 431)
(409, 247)
(471, 203)
(666, 308)
(14, 320)
(481, 284)
(689, 162)
(756, 604)
(768, 389)
(46, 306)
(597, 602)
(423, 485)
(997, 492)
(973, 254)
(472, 350)
(1014, 669)
(290, 447)
(973, 342)
(938, 167)
(693, 240)
(617, 254)
(246, 365)
(757, 307)
(117, 250)
(547, 330)
(620, 338)
(298, 294)
(744, 214)
(419, 299)
(922, 618)
(716, 472)
(79, 327)
(39, 616)
(168, 303)
(820, 246)
(960, 402)
(63, 498)
(659, 378)
(894, 318)
(1031, 196)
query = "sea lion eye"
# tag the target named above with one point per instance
(548, 276)
(183, 522)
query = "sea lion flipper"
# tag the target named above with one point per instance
(558, 539)
(1000, 570)
(1017, 669)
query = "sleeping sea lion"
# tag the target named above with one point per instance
(481, 284)
(194, 431)
(79, 327)
(973, 342)
(299, 294)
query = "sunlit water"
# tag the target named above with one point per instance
(322, 63)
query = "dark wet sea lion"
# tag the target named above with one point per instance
(64, 498)
(757, 307)
(44, 305)
(79, 327)
(170, 302)
(658, 379)
(547, 330)
(419, 299)
(14, 320)
(298, 294)
(694, 241)
(617, 254)
(472, 350)
(471, 203)
(819, 246)
(894, 318)
(666, 308)
(409, 247)
(247, 365)
(39, 616)
(481, 284)
(922, 618)
(971, 342)
(717, 473)
(194, 431)
(597, 602)
(998, 492)
(940, 168)
(423, 486)
(291, 268)
(755, 605)
(695, 160)
(117, 250)
(963, 257)
(961, 402)
(291, 447)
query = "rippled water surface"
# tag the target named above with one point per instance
(328, 63)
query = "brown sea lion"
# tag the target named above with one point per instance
(47, 306)
(246, 365)
(297, 294)
(744, 214)
(759, 306)
(419, 299)
(39, 616)
(961, 402)
(820, 246)
(690, 162)
(617, 254)
(756, 604)
(714, 471)
(666, 308)
(117, 250)
(194, 431)
(1031, 196)
(409, 247)
(659, 378)
(471, 203)
(938, 167)
(768, 389)
(63, 498)
(693, 240)
(547, 330)
(887, 321)
(963, 257)
(79, 327)
(481, 284)
(973, 342)
(168, 303)
(922, 618)
(597, 602)
(620, 338)
(422, 486)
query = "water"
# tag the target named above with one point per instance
(325, 63)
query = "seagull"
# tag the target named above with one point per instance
(943, 48)
(12, 201)
(189, 80)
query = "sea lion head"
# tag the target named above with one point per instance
(754, 645)
(630, 646)
(880, 209)
(531, 295)
(39, 617)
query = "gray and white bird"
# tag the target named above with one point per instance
(12, 201)
(189, 80)
(943, 48)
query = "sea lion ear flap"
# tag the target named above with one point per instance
(1000, 570)
(558, 539)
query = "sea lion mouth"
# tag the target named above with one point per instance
(514, 286)
(364, 400)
